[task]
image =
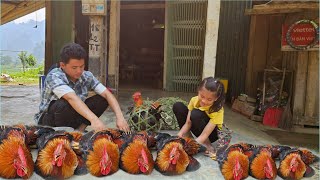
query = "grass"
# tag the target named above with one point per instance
(29, 77)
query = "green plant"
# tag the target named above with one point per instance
(27, 60)
(30, 76)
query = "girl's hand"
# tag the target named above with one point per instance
(180, 134)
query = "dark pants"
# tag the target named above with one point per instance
(61, 113)
(199, 120)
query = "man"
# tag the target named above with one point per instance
(63, 99)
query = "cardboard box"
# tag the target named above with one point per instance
(236, 106)
(256, 118)
(248, 110)
(244, 108)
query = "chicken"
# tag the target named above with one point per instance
(100, 152)
(233, 163)
(172, 159)
(56, 159)
(308, 157)
(153, 137)
(291, 165)
(192, 147)
(10, 131)
(144, 115)
(262, 165)
(33, 132)
(135, 156)
(15, 158)
(75, 144)
(277, 149)
(137, 98)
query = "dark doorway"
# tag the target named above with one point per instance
(141, 45)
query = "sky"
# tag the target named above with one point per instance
(39, 15)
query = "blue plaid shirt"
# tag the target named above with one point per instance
(57, 78)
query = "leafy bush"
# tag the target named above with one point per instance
(30, 76)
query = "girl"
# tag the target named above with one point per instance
(204, 114)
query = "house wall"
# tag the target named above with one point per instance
(59, 29)
(265, 52)
(232, 46)
(210, 47)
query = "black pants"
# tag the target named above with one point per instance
(61, 113)
(198, 118)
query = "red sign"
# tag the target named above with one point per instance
(301, 35)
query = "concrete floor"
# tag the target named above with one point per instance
(20, 103)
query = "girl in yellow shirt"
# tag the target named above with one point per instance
(204, 114)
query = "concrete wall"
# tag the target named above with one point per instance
(209, 63)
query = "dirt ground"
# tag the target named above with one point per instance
(20, 103)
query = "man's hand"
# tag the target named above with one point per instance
(123, 125)
(98, 125)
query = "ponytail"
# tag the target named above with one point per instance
(218, 104)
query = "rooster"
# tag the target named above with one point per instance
(192, 147)
(294, 163)
(172, 159)
(135, 156)
(233, 163)
(33, 132)
(308, 157)
(291, 165)
(56, 158)
(76, 138)
(277, 149)
(151, 114)
(100, 152)
(15, 157)
(262, 165)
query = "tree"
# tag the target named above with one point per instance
(26, 60)
(23, 58)
(31, 60)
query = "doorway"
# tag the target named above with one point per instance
(141, 52)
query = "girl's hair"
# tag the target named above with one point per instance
(215, 86)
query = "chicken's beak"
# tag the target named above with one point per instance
(293, 164)
(174, 155)
(25, 170)
(59, 155)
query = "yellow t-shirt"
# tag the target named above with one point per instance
(215, 117)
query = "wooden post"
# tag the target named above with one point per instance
(113, 63)
(48, 42)
(249, 71)
(165, 49)
(300, 86)
(97, 61)
(312, 86)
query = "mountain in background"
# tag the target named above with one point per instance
(23, 37)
